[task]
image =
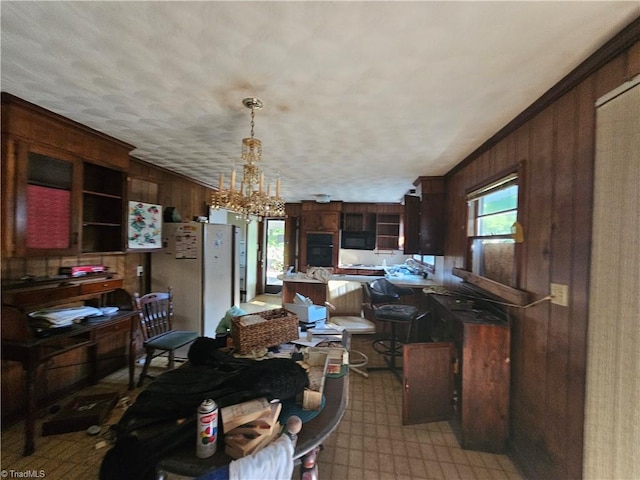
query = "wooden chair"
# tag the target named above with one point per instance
(156, 313)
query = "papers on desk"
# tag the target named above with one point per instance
(63, 317)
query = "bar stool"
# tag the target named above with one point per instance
(382, 301)
(390, 348)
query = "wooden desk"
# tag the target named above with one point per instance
(33, 352)
(20, 344)
(313, 434)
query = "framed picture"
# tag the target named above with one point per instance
(144, 226)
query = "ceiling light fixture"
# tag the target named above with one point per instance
(250, 201)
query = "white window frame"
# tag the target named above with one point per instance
(473, 198)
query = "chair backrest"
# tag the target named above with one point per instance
(155, 310)
(367, 302)
(382, 291)
(346, 296)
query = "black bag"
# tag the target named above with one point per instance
(163, 416)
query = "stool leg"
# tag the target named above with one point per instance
(409, 331)
(393, 345)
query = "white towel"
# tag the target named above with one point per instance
(273, 462)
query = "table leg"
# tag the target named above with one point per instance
(31, 369)
(309, 468)
(132, 352)
(92, 352)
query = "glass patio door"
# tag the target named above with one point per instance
(274, 255)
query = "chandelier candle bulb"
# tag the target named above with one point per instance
(233, 179)
(221, 183)
(261, 182)
(278, 187)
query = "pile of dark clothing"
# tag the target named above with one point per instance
(163, 416)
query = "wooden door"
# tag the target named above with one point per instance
(428, 382)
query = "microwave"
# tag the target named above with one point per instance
(358, 240)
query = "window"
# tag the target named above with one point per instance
(493, 211)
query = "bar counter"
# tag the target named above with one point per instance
(316, 289)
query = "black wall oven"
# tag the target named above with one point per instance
(320, 249)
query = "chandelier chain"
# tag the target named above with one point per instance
(253, 114)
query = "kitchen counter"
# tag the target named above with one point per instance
(413, 281)
(316, 289)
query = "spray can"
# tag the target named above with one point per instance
(207, 429)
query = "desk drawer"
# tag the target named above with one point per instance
(120, 326)
(39, 296)
(101, 286)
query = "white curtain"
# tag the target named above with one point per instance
(612, 415)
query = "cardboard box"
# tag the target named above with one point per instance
(81, 413)
(307, 313)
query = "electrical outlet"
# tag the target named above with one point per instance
(139, 270)
(559, 294)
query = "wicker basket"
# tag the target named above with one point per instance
(280, 326)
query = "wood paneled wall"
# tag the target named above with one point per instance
(146, 184)
(556, 150)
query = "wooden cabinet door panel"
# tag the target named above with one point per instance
(428, 382)
(47, 201)
(432, 224)
(411, 224)
(484, 415)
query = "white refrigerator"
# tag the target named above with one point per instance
(199, 261)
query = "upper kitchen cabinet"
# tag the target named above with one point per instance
(63, 185)
(424, 218)
(321, 217)
(358, 217)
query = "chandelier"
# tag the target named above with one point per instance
(250, 200)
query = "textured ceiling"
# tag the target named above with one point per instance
(360, 98)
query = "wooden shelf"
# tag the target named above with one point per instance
(509, 294)
(388, 231)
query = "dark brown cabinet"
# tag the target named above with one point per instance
(358, 222)
(424, 218)
(46, 200)
(63, 185)
(321, 221)
(476, 374)
(319, 218)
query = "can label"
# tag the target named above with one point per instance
(207, 434)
